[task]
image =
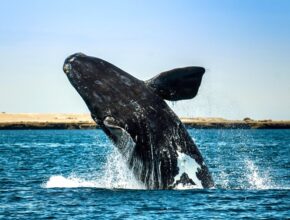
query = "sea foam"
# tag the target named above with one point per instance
(114, 174)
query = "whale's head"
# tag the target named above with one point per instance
(106, 89)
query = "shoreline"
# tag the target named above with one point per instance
(83, 121)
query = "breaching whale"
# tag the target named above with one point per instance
(134, 115)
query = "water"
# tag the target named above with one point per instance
(78, 174)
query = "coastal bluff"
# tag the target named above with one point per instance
(84, 121)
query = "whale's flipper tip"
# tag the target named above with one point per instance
(177, 84)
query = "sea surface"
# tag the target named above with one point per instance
(79, 174)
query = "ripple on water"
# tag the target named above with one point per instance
(78, 174)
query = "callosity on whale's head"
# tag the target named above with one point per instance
(135, 116)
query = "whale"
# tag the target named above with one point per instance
(135, 116)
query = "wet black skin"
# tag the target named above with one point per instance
(109, 92)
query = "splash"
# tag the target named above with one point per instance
(117, 174)
(114, 175)
(224, 180)
(255, 179)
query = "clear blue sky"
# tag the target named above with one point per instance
(244, 45)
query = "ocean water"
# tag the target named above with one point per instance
(78, 174)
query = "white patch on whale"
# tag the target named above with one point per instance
(187, 165)
(72, 59)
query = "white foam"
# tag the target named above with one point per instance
(115, 174)
(68, 182)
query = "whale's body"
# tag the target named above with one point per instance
(133, 114)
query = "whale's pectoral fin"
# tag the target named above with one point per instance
(115, 131)
(119, 135)
(177, 84)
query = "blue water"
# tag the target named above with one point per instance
(78, 174)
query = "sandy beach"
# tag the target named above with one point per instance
(84, 121)
(46, 121)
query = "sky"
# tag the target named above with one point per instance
(244, 46)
